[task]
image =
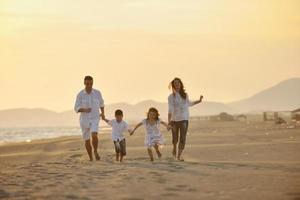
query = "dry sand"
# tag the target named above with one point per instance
(224, 160)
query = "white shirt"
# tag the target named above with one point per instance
(153, 134)
(152, 130)
(118, 129)
(94, 101)
(179, 107)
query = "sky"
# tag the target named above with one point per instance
(224, 49)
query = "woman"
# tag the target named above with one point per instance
(178, 116)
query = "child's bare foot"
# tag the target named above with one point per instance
(150, 154)
(157, 151)
(117, 157)
(97, 155)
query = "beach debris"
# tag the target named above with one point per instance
(28, 140)
(246, 153)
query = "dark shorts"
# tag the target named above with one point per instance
(121, 148)
(179, 132)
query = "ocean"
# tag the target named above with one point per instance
(28, 134)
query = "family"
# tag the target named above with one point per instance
(89, 103)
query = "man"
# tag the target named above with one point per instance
(88, 103)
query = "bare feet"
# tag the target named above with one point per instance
(117, 157)
(97, 157)
(180, 159)
(174, 153)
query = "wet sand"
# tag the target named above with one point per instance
(223, 160)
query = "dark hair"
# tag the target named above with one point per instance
(118, 112)
(88, 78)
(182, 92)
(155, 111)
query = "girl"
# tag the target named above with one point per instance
(178, 116)
(153, 136)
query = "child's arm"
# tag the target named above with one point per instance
(128, 128)
(192, 103)
(168, 126)
(136, 127)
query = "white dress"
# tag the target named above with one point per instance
(153, 135)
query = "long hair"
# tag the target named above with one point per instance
(182, 91)
(155, 111)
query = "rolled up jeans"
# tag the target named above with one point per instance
(179, 131)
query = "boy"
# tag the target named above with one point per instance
(119, 127)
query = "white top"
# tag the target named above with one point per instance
(94, 101)
(152, 129)
(118, 129)
(179, 107)
(153, 135)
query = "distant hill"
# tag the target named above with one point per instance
(283, 96)
(42, 117)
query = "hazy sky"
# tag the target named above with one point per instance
(224, 49)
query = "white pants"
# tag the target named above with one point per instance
(92, 127)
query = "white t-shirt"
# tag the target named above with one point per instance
(118, 129)
(179, 107)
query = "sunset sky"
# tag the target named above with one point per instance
(223, 49)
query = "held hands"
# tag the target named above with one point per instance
(102, 115)
(169, 127)
(131, 132)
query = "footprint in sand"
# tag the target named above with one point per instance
(76, 149)
(3, 194)
(76, 156)
(155, 174)
(169, 194)
(131, 198)
(181, 187)
(55, 163)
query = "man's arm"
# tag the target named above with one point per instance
(102, 106)
(106, 120)
(103, 113)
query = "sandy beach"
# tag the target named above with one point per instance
(223, 160)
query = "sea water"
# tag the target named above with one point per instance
(27, 134)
